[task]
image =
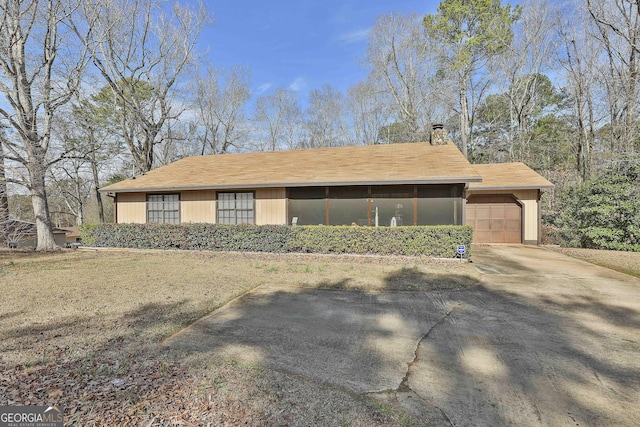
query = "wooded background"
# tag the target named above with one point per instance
(95, 92)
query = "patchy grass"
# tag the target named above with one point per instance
(82, 329)
(624, 262)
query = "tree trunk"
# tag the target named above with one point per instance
(464, 116)
(46, 242)
(4, 200)
(96, 186)
(79, 202)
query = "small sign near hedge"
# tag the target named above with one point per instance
(436, 241)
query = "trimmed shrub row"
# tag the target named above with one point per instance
(437, 241)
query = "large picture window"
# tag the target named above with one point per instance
(235, 208)
(163, 208)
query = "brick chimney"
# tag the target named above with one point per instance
(438, 135)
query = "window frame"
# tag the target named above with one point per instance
(414, 194)
(235, 209)
(164, 210)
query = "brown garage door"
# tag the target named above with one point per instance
(495, 219)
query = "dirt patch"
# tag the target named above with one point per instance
(624, 262)
(81, 329)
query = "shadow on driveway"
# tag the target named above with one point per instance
(543, 341)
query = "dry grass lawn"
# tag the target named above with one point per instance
(83, 330)
(624, 262)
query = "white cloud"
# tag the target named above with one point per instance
(298, 84)
(354, 36)
(263, 88)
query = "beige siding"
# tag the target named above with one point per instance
(271, 206)
(198, 206)
(131, 208)
(530, 206)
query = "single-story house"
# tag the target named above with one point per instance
(73, 235)
(376, 185)
(22, 234)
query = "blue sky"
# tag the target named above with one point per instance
(298, 44)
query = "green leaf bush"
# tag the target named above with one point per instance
(604, 213)
(436, 241)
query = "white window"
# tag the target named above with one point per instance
(235, 208)
(163, 208)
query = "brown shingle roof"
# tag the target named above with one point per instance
(361, 165)
(513, 176)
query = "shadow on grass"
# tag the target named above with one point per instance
(412, 279)
(484, 356)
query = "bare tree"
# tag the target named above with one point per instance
(4, 195)
(524, 65)
(17, 231)
(370, 110)
(278, 118)
(141, 50)
(220, 99)
(70, 184)
(618, 31)
(579, 58)
(403, 66)
(38, 75)
(325, 122)
(91, 144)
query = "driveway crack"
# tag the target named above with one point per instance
(404, 384)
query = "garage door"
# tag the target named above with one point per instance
(495, 219)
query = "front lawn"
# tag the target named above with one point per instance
(82, 329)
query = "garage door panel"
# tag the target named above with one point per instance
(513, 212)
(495, 219)
(512, 225)
(497, 224)
(512, 237)
(480, 236)
(483, 212)
(483, 224)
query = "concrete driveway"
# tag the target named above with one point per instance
(544, 340)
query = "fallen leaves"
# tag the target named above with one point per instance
(147, 392)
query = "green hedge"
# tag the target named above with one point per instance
(438, 241)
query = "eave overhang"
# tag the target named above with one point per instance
(430, 181)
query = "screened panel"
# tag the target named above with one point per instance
(439, 205)
(392, 211)
(348, 205)
(393, 205)
(439, 211)
(308, 205)
(308, 211)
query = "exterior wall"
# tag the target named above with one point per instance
(30, 242)
(27, 242)
(61, 239)
(530, 211)
(271, 206)
(131, 208)
(198, 206)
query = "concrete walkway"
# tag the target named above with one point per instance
(545, 340)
